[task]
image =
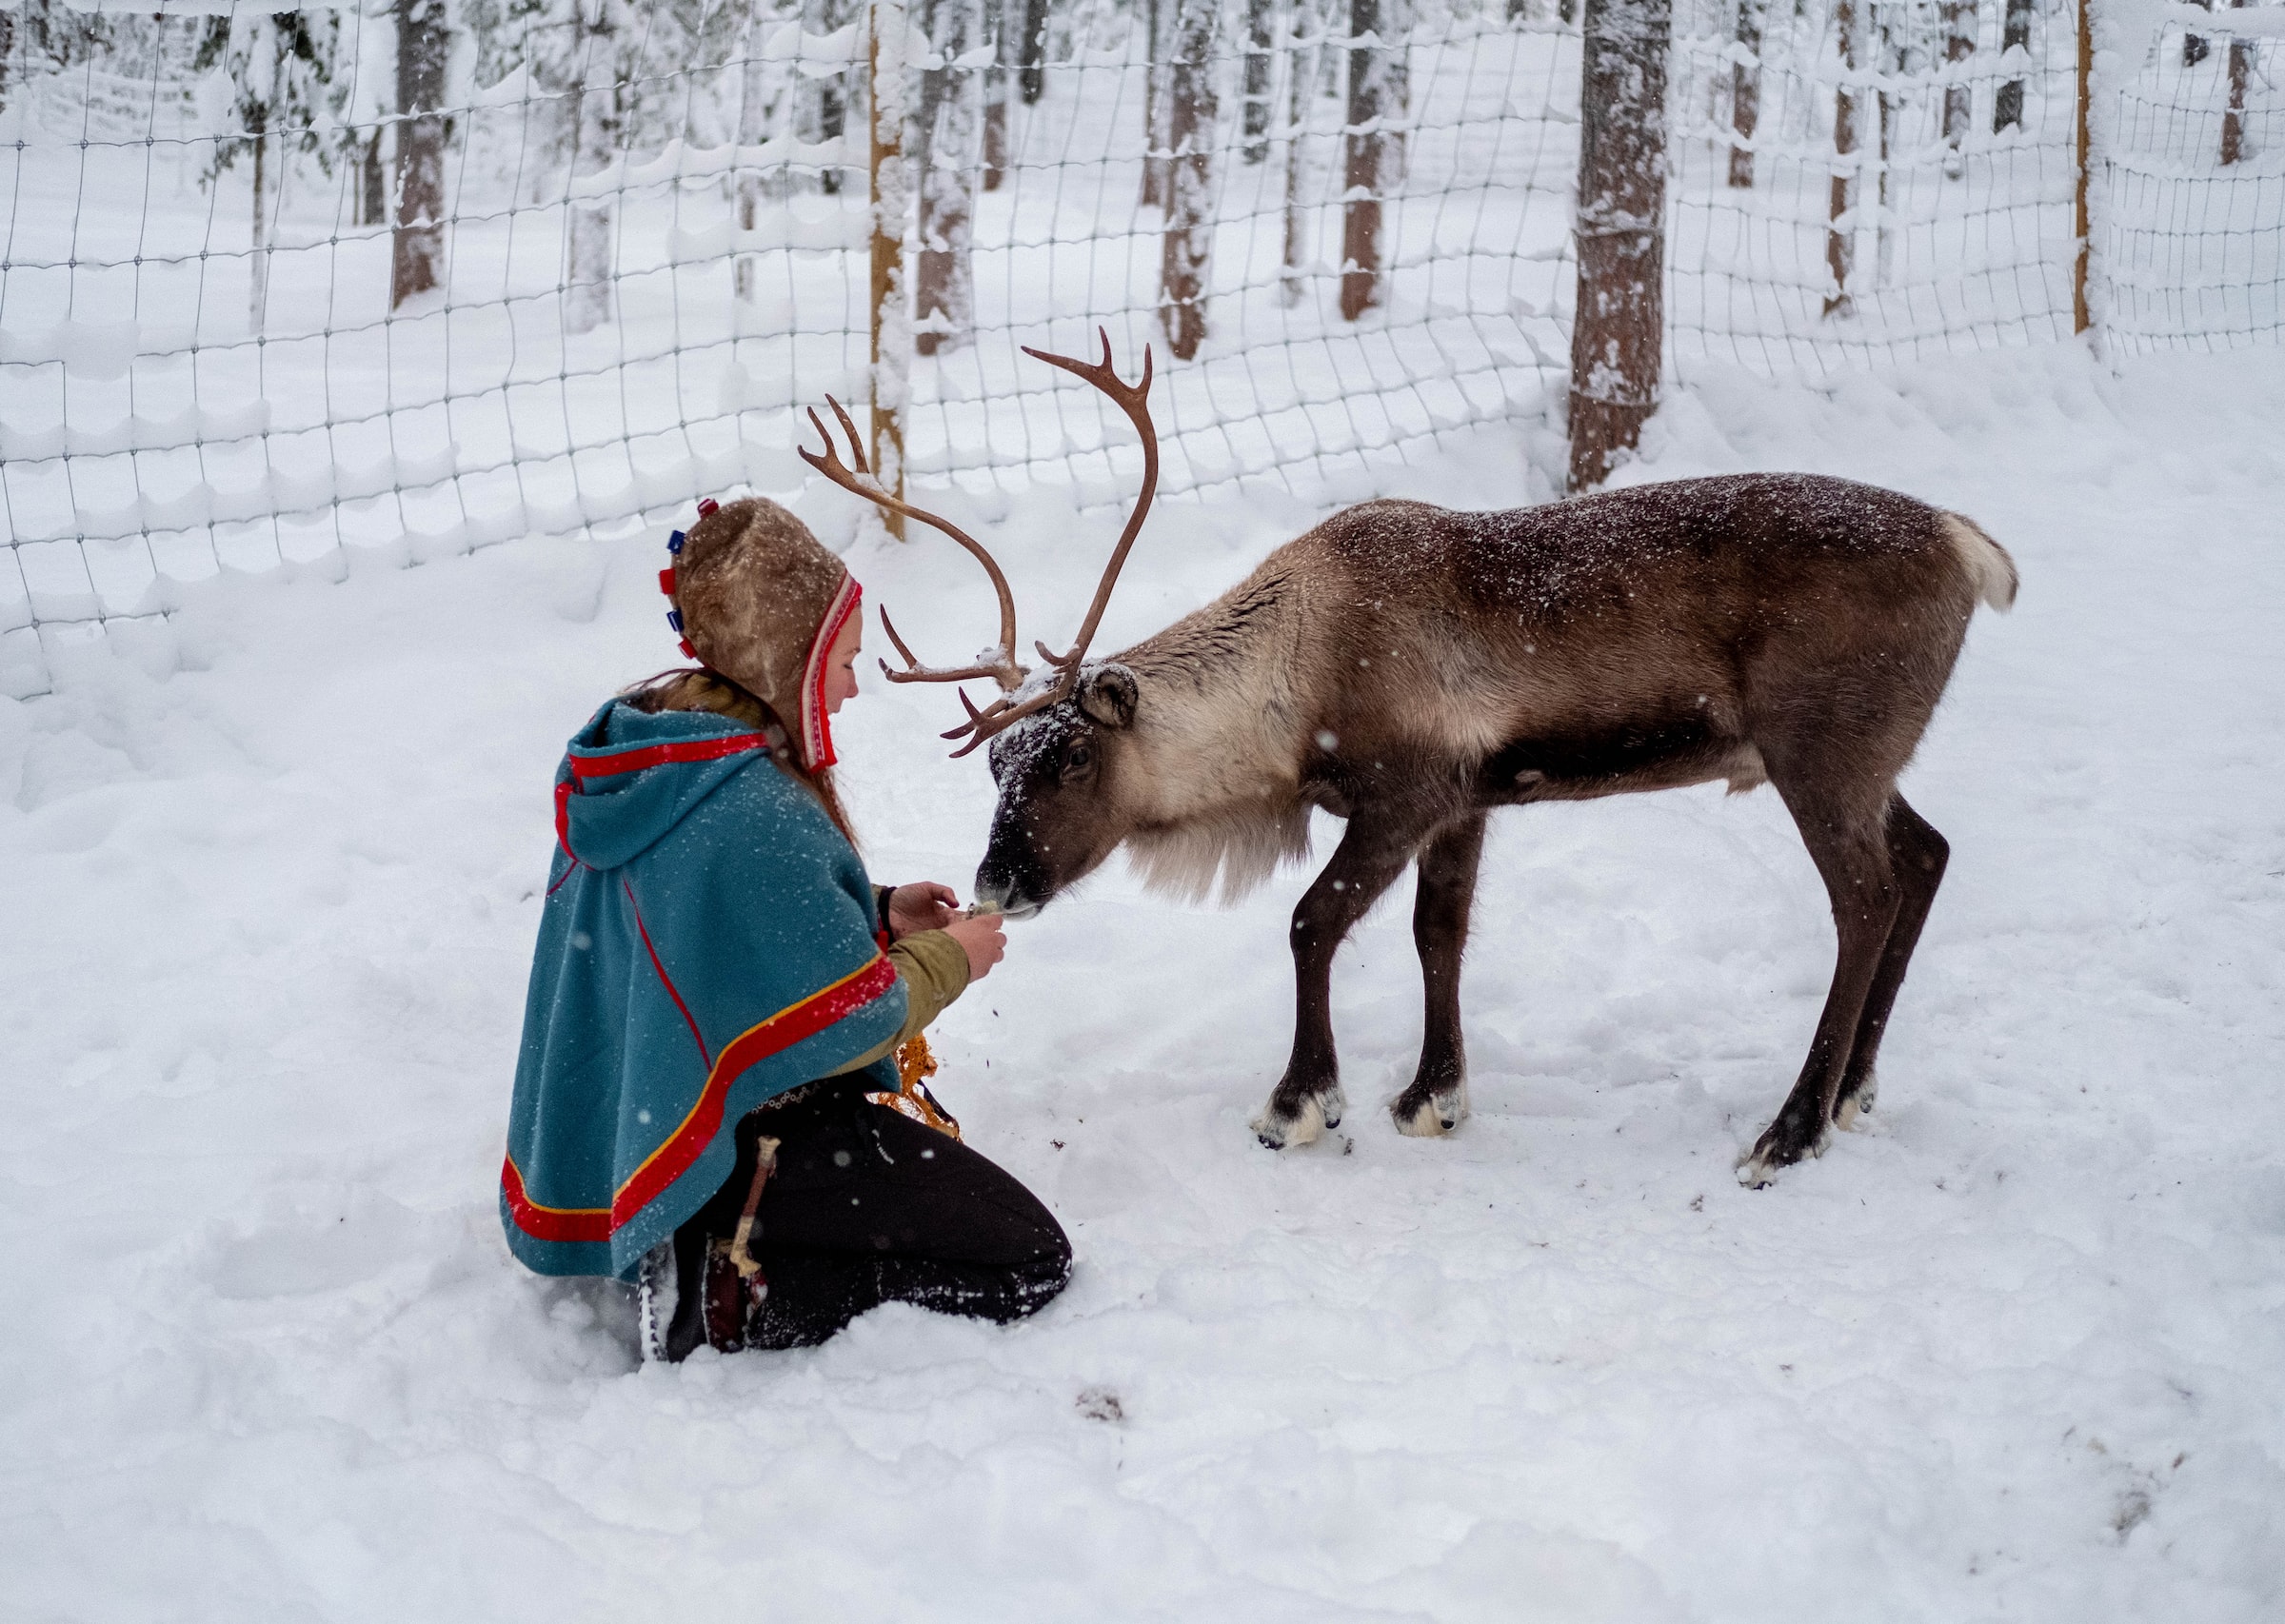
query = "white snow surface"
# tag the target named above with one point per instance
(2014, 1350)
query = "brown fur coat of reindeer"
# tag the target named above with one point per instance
(1409, 669)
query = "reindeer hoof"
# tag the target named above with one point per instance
(1854, 1105)
(1280, 1130)
(1433, 1117)
(1777, 1147)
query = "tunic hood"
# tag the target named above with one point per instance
(629, 777)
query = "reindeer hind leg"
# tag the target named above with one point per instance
(1848, 842)
(1918, 855)
(1436, 1101)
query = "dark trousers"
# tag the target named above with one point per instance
(866, 1207)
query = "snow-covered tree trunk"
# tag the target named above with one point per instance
(1155, 187)
(753, 128)
(2015, 36)
(824, 109)
(1848, 138)
(1261, 63)
(1300, 79)
(1901, 62)
(1959, 100)
(890, 169)
(942, 157)
(417, 248)
(1187, 248)
(1373, 159)
(2241, 72)
(1621, 231)
(257, 310)
(372, 179)
(997, 34)
(1033, 54)
(1746, 91)
(594, 117)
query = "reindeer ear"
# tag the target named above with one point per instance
(1108, 694)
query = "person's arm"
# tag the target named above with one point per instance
(937, 966)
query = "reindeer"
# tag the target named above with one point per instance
(1409, 669)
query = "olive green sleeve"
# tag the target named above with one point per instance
(935, 970)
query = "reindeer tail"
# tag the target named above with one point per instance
(1991, 571)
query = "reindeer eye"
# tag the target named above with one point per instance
(1078, 758)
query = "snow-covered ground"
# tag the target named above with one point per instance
(2017, 1350)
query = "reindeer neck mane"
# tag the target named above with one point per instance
(1214, 762)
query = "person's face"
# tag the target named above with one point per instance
(841, 664)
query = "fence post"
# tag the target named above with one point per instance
(891, 337)
(1621, 227)
(2081, 223)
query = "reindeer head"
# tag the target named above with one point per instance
(1060, 812)
(1054, 737)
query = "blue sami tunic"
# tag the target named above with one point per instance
(708, 942)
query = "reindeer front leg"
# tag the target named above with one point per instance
(1307, 1100)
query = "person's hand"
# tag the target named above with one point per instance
(983, 938)
(922, 906)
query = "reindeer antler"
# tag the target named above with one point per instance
(1005, 671)
(1003, 713)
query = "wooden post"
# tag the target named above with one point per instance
(892, 338)
(2081, 224)
(1621, 227)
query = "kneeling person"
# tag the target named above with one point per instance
(707, 1101)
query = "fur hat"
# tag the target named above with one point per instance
(759, 601)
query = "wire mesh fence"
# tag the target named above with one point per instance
(431, 274)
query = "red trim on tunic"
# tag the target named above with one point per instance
(805, 1019)
(662, 755)
(665, 979)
